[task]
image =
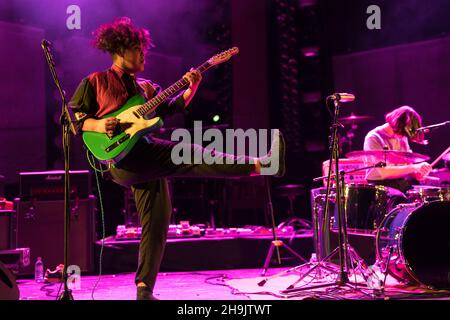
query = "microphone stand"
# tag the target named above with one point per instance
(343, 246)
(433, 126)
(67, 121)
(380, 164)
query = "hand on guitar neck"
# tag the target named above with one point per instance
(194, 77)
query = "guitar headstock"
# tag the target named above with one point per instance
(223, 56)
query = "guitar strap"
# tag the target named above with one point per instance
(131, 85)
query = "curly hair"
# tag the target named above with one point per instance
(120, 35)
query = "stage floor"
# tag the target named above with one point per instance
(203, 285)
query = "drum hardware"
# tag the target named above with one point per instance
(316, 202)
(291, 192)
(406, 205)
(379, 289)
(354, 261)
(276, 244)
(353, 121)
(386, 270)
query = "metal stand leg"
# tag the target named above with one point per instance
(278, 244)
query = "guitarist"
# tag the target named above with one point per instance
(146, 167)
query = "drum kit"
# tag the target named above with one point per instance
(412, 230)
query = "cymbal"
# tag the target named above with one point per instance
(354, 119)
(391, 156)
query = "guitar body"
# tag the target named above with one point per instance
(133, 127)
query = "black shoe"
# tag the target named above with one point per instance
(277, 143)
(144, 293)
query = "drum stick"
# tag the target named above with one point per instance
(440, 157)
(432, 178)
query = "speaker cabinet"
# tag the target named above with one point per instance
(40, 227)
(8, 220)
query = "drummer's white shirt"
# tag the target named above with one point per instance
(377, 139)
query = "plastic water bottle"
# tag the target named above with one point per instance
(39, 270)
(313, 259)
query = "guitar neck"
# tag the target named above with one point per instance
(150, 106)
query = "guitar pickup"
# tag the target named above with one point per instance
(117, 143)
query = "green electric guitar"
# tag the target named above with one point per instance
(137, 118)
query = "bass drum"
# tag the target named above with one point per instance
(417, 238)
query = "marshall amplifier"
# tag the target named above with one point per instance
(40, 227)
(49, 185)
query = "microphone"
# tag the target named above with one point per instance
(416, 136)
(342, 97)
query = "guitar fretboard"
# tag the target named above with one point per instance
(150, 105)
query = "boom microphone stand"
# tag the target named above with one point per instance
(347, 255)
(66, 119)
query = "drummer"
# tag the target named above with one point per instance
(395, 134)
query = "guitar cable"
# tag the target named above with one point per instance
(102, 214)
(89, 155)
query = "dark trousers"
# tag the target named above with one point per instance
(145, 170)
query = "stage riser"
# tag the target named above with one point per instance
(203, 254)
